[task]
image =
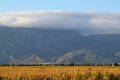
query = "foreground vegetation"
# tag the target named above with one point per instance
(59, 73)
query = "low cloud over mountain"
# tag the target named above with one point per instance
(86, 22)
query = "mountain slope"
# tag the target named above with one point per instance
(44, 45)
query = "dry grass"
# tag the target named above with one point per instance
(59, 73)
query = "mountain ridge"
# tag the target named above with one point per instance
(47, 45)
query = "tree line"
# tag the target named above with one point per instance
(61, 64)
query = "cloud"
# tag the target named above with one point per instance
(86, 22)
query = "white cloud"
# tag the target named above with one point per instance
(85, 22)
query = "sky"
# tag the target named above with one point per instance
(67, 5)
(87, 16)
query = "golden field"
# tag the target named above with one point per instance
(59, 73)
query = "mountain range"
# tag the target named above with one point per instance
(36, 46)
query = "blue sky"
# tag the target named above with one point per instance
(66, 5)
